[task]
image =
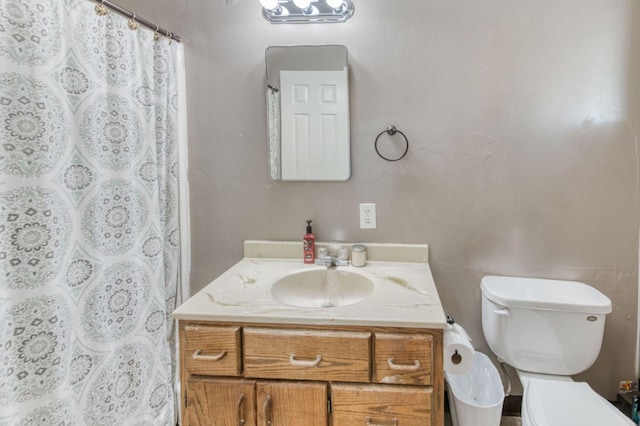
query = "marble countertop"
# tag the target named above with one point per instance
(405, 294)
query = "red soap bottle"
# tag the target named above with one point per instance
(309, 245)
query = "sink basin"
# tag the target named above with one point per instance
(322, 288)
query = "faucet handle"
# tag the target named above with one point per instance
(325, 261)
(341, 262)
(343, 253)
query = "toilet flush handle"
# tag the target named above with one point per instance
(502, 312)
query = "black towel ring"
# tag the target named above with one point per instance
(391, 130)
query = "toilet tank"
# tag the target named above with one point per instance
(543, 326)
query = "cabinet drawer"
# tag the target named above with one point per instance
(210, 350)
(306, 355)
(381, 405)
(403, 359)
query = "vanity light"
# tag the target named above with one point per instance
(306, 11)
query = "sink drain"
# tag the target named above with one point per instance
(327, 305)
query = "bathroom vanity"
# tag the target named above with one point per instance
(372, 355)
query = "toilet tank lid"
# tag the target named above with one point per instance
(537, 293)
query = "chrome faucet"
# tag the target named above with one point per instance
(330, 261)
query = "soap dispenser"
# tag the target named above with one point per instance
(309, 245)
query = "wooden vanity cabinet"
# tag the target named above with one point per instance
(282, 375)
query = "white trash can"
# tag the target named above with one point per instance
(476, 397)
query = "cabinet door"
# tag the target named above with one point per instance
(381, 405)
(220, 402)
(291, 403)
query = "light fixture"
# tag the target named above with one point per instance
(306, 11)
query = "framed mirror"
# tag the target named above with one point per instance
(308, 113)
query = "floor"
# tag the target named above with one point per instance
(511, 421)
(506, 421)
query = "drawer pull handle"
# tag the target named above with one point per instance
(198, 355)
(301, 363)
(404, 367)
(266, 411)
(394, 422)
(240, 405)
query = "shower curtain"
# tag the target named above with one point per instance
(89, 216)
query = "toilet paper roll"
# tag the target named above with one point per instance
(458, 351)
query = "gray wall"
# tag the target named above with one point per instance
(522, 117)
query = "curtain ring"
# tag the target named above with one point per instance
(392, 130)
(156, 36)
(170, 35)
(101, 9)
(133, 24)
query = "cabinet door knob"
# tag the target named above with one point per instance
(302, 363)
(404, 367)
(198, 355)
(369, 422)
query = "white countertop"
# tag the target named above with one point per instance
(405, 294)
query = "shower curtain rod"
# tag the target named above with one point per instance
(128, 14)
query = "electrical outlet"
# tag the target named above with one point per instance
(367, 216)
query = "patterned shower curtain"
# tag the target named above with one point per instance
(89, 230)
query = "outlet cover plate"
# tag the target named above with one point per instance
(367, 216)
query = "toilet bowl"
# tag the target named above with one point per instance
(549, 330)
(559, 401)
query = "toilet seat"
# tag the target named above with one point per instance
(563, 403)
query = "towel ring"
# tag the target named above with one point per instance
(392, 130)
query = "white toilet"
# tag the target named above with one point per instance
(548, 330)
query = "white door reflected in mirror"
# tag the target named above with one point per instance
(315, 125)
